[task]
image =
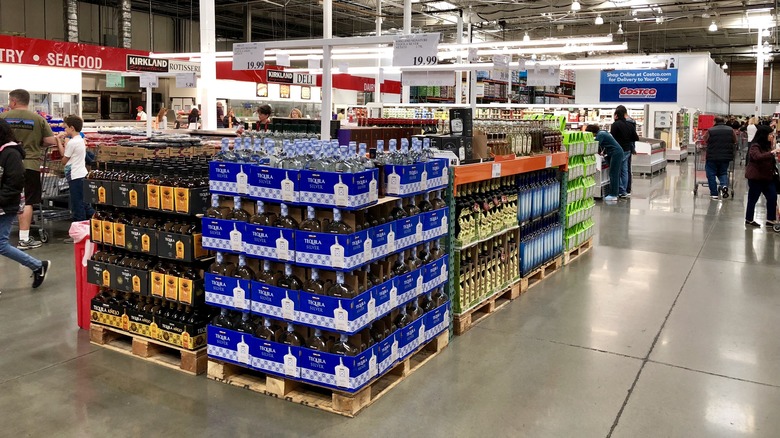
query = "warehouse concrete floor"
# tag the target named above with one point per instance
(667, 328)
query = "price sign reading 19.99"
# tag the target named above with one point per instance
(415, 50)
(248, 56)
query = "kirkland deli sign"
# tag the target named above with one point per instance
(645, 86)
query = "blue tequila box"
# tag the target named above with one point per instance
(386, 353)
(437, 321)
(335, 251)
(409, 285)
(435, 223)
(276, 358)
(337, 314)
(273, 301)
(435, 273)
(346, 373)
(382, 240)
(269, 242)
(229, 345)
(223, 235)
(404, 180)
(408, 232)
(344, 190)
(228, 292)
(385, 296)
(229, 178)
(272, 184)
(438, 173)
(410, 338)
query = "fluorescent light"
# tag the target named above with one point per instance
(526, 38)
(543, 42)
(599, 20)
(441, 6)
(659, 19)
(575, 6)
(713, 27)
(725, 66)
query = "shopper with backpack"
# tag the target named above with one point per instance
(11, 202)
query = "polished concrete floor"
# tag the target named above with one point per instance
(668, 328)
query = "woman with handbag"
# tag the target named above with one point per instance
(761, 173)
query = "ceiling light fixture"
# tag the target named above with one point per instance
(659, 19)
(599, 20)
(575, 6)
(620, 29)
(526, 38)
(725, 66)
(713, 27)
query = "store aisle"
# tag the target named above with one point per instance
(666, 328)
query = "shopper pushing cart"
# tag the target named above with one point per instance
(717, 156)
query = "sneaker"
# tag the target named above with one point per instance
(29, 244)
(724, 191)
(624, 195)
(40, 274)
(753, 224)
(715, 198)
(610, 198)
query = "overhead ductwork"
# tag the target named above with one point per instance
(71, 20)
(125, 24)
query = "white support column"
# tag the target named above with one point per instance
(149, 111)
(207, 85)
(327, 70)
(759, 75)
(472, 75)
(380, 74)
(405, 91)
(459, 74)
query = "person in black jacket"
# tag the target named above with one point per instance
(625, 134)
(11, 187)
(721, 140)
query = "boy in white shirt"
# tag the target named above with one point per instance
(74, 158)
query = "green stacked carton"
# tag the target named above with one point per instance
(581, 188)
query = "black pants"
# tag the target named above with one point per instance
(755, 189)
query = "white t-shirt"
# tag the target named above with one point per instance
(141, 116)
(76, 151)
(751, 131)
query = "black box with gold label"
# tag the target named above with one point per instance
(101, 274)
(180, 334)
(181, 247)
(167, 202)
(129, 195)
(191, 201)
(141, 240)
(98, 192)
(106, 314)
(131, 280)
(139, 322)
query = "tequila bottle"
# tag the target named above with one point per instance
(215, 211)
(221, 267)
(402, 319)
(437, 202)
(314, 285)
(343, 347)
(398, 211)
(440, 297)
(222, 320)
(245, 324)
(267, 276)
(317, 342)
(340, 289)
(285, 220)
(243, 271)
(263, 217)
(413, 310)
(311, 223)
(338, 226)
(265, 331)
(425, 204)
(399, 266)
(427, 303)
(289, 337)
(238, 213)
(289, 280)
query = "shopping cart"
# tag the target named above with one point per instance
(700, 172)
(55, 194)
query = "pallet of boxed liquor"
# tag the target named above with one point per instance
(150, 260)
(319, 281)
(119, 148)
(581, 191)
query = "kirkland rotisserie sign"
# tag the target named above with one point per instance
(644, 86)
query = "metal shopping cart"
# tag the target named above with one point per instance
(55, 192)
(700, 173)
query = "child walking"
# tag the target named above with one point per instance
(74, 155)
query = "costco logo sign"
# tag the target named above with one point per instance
(647, 93)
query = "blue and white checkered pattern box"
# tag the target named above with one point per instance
(408, 232)
(223, 235)
(387, 354)
(435, 273)
(344, 190)
(319, 250)
(274, 357)
(320, 311)
(403, 180)
(437, 321)
(227, 292)
(323, 369)
(380, 236)
(269, 242)
(435, 223)
(229, 178)
(273, 184)
(410, 338)
(382, 295)
(438, 173)
(275, 302)
(224, 344)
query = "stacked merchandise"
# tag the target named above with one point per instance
(581, 187)
(317, 279)
(539, 215)
(486, 240)
(150, 261)
(123, 147)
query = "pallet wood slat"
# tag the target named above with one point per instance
(575, 253)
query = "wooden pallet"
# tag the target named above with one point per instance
(540, 274)
(189, 361)
(326, 399)
(463, 322)
(573, 254)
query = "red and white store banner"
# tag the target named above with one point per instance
(30, 51)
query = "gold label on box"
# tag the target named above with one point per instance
(119, 235)
(136, 284)
(158, 284)
(146, 243)
(153, 197)
(179, 250)
(97, 230)
(101, 195)
(133, 197)
(106, 278)
(108, 233)
(154, 331)
(172, 287)
(186, 340)
(185, 290)
(125, 322)
(182, 200)
(166, 196)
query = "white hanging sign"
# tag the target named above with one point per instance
(544, 77)
(283, 59)
(417, 49)
(149, 80)
(186, 80)
(248, 56)
(430, 78)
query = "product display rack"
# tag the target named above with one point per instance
(581, 189)
(298, 371)
(149, 260)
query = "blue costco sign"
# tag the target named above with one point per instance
(645, 86)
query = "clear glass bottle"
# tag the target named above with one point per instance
(238, 213)
(243, 271)
(215, 211)
(267, 275)
(340, 289)
(343, 347)
(316, 342)
(289, 280)
(245, 324)
(338, 226)
(263, 217)
(222, 320)
(314, 285)
(289, 337)
(285, 220)
(425, 204)
(402, 319)
(399, 266)
(311, 223)
(264, 331)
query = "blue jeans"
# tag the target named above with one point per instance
(624, 171)
(755, 189)
(615, 162)
(719, 169)
(78, 209)
(10, 251)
